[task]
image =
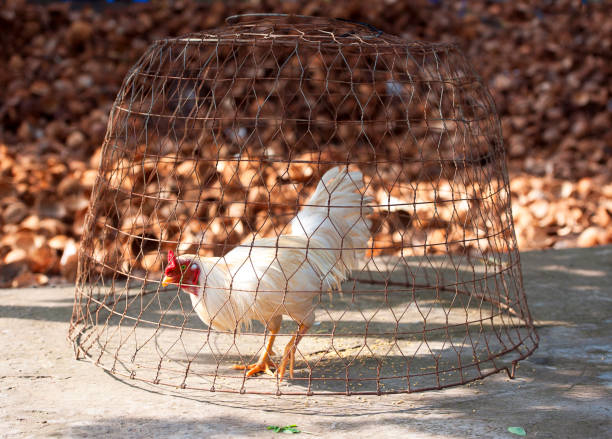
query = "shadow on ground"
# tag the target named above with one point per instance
(563, 390)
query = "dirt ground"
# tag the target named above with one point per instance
(563, 390)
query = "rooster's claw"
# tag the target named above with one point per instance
(256, 368)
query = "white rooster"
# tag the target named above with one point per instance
(267, 278)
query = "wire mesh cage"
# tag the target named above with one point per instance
(309, 185)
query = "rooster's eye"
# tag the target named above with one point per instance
(183, 267)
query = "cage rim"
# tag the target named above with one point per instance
(422, 47)
(235, 34)
(79, 349)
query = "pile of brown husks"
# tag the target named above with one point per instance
(548, 68)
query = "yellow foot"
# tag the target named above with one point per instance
(289, 357)
(256, 368)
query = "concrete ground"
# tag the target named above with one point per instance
(564, 390)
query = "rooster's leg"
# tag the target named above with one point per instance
(264, 363)
(289, 354)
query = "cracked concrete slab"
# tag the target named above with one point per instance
(564, 390)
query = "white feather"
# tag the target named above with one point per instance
(281, 276)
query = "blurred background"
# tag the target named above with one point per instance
(547, 63)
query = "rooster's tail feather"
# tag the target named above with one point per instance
(335, 217)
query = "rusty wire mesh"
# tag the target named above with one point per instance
(217, 140)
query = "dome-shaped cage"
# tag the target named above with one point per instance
(400, 273)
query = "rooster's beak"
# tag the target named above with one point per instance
(167, 280)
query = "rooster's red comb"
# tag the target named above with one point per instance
(172, 262)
